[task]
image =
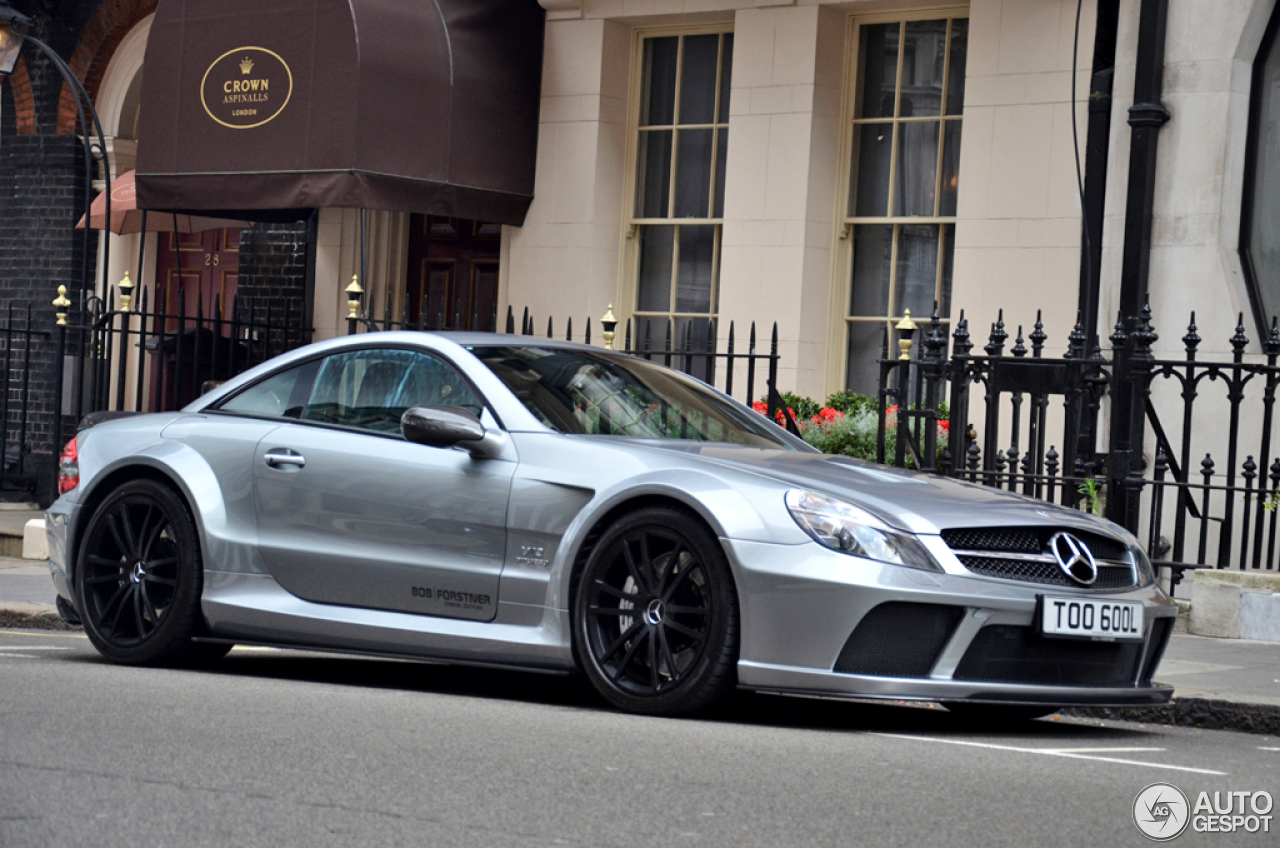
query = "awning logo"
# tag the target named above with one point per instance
(246, 87)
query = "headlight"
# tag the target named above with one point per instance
(1146, 574)
(843, 527)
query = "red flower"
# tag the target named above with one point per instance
(826, 414)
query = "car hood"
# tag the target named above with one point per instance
(909, 500)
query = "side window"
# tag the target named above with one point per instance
(371, 389)
(280, 395)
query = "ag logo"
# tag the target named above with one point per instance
(1161, 812)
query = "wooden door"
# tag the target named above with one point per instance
(453, 273)
(197, 276)
(200, 268)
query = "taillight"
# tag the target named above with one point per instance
(69, 468)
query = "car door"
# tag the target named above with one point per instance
(350, 513)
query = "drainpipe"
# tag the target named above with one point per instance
(1097, 150)
(1146, 117)
(1128, 386)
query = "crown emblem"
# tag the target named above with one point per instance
(246, 65)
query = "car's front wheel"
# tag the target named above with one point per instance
(656, 615)
(139, 577)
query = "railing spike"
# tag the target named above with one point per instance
(1271, 347)
(1019, 349)
(1118, 336)
(1239, 341)
(1192, 339)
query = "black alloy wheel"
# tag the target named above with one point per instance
(656, 615)
(139, 577)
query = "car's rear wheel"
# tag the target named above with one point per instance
(656, 615)
(139, 578)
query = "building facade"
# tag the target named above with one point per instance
(822, 165)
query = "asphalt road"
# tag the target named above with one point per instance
(279, 748)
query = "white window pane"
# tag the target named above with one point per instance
(696, 274)
(872, 261)
(698, 80)
(950, 168)
(916, 282)
(653, 174)
(916, 181)
(872, 154)
(658, 97)
(654, 284)
(693, 173)
(879, 55)
(726, 74)
(923, 61)
(955, 75)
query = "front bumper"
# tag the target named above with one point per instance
(801, 605)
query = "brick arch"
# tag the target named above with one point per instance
(98, 43)
(24, 104)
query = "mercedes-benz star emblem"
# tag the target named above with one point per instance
(1074, 558)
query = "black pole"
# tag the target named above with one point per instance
(1146, 117)
(1097, 148)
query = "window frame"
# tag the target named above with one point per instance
(844, 222)
(1270, 41)
(628, 291)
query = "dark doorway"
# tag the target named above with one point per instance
(453, 273)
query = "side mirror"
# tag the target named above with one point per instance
(440, 426)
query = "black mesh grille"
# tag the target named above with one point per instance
(1035, 540)
(1007, 654)
(1021, 540)
(898, 640)
(1046, 573)
(1026, 540)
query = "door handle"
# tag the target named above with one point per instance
(277, 458)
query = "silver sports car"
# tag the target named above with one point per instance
(506, 501)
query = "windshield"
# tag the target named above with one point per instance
(600, 394)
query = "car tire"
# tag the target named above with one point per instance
(656, 615)
(996, 715)
(139, 578)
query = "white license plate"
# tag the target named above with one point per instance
(1091, 619)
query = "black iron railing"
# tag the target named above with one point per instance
(1193, 512)
(18, 341)
(153, 355)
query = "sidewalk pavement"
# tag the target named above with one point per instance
(1229, 684)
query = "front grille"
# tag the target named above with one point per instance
(1047, 573)
(898, 639)
(971, 543)
(1008, 654)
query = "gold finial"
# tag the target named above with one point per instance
(608, 323)
(61, 303)
(906, 328)
(353, 297)
(126, 292)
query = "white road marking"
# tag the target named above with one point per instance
(1050, 752)
(1260, 748)
(1096, 750)
(33, 648)
(18, 657)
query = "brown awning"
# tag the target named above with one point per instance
(251, 108)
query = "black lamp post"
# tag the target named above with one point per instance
(15, 33)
